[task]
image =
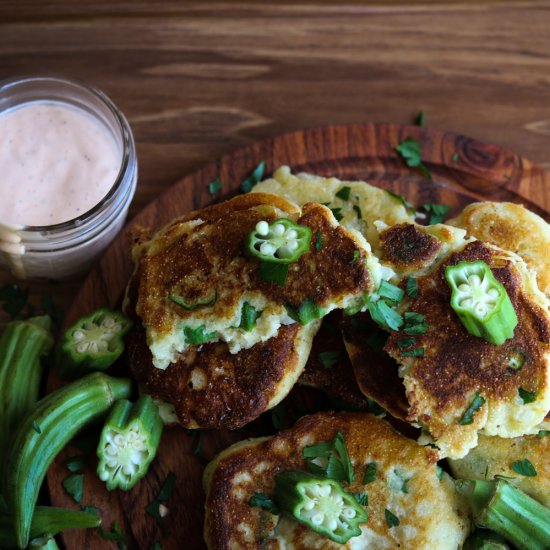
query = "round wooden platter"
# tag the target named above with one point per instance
(463, 170)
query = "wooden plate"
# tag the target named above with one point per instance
(464, 170)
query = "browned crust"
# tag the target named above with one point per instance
(363, 434)
(457, 364)
(238, 386)
(406, 245)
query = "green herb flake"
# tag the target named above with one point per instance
(318, 240)
(249, 316)
(344, 193)
(414, 323)
(36, 427)
(74, 486)
(215, 186)
(197, 336)
(384, 315)
(418, 352)
(524, 467)
(543, 433)
(355, 256)
(410, 208)
(411, 288)
(273, 273)
(306, 312)
(357, 210)
(420, 119)
(391, 292)
(153, 508)
(362, 498)
(438, 471)
(337, 213)
(437, 212)
(76, 463)
(411, 151)
(475, 405)
(455, 157)
(391, 519)
(329, 359)
(405, 343)
(338, 464)
(527, 396)
(115, 534)
(254, 178)
(264, 502)
(370, 473)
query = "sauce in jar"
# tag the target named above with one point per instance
(56, 162)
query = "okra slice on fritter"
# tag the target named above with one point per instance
(93, 343)
(281, 241)
(481, 302)
(128, 442)
(321, 504)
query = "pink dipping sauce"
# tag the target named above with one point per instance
(56, 163)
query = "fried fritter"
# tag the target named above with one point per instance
(407, 484)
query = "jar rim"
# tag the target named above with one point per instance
(128, 148)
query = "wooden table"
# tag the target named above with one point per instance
(197, 80)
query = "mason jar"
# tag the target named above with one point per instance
(67, 247)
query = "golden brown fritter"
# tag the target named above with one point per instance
(430, 513)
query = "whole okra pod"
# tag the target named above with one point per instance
(46, 429)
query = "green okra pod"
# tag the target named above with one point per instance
(46, 521)
(44, 431)
(22, 345)
(129, 442)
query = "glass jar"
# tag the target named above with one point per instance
(64, 250)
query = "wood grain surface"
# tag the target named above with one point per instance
(198, 80)
(463, 170)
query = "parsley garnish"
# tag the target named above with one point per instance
(255, 177)
(405, 343)
(384, 315)
(76, 463)
(524, 467)
(73, 486)
(362, 498)
(391, 519)
(543, 433)
(215, 186)
(415, 323)
(115, 534)
(411, 151)
(355, 256)
(455, 157)
(357, 209)
(264, 502)
(437, 212)
(338, 462)
(197, 336)
(392, 292)
(153, 508)
(329, 358)
(273, 273)
(420, 118)
(410, 208)
(475, 405)
(370, 473)
(527, 396)
(418, 352)
(318, 240)
(411, 288)
(344, 193)
(337, 213)
(249, 316)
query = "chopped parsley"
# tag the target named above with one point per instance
(153, 508)
(420, 119)
(384, 315)
(370, 473)
(357, 209)
(76, 463)
(527, 396)
(338, 463)
(410, 208)
(265, 503)
(391, 519)
(415, 323)
(543, 433)
(524, 467)
(355, 256)
(344, 193)
(318, 240)
(405, 343)
(256, 176)
(337, 213)
(362, 498)
(455, 157)
(475, 405)
(411, 288)
(215, 186)
(418, 352)
(391, 292)
(437, 212)
(273, 273)
(74, 486)
(115, 534)
(329, 358)
(411, 151)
